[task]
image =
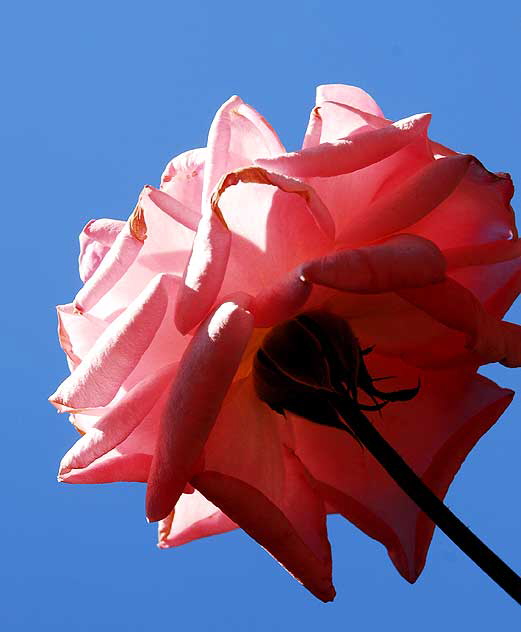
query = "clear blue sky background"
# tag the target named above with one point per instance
(97, 96)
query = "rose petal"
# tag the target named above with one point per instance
(194, 517)
(407, 203)
(96, 240)
(77, 333)
(117, 351)
(237, 136)
(182, 178)
(454, 306)
(205, 374)
(257, 175)
(172, 207)
(118, 422)
(116, 262)
(331, 121)
(204, 272)
(478, 211)
(339, 111)
(346, 156)
(280, 301)
(259, 483)
(483, 254)
(348, 95)
(433, 432)
(398, 262)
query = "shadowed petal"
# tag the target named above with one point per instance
(252, 475)
(434, 432)
(454, 306)
(281, 300)
(204, 376)
(398, 262)
(407, 203)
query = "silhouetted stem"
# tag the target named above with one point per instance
(430, 504)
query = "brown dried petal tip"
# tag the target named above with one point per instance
(138, 227)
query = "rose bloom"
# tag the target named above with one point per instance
(371, 224)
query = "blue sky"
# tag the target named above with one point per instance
(97, 97)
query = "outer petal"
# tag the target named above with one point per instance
(434, 432)
(194, 517)
(118, 422)
(259, 483)
(122, 254)
(77, 332)
(129, 460)
(205, 374)
(95, 241)
(398, 262)
(117, 351)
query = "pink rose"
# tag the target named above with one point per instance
(371, 224)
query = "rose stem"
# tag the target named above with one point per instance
(430, 504)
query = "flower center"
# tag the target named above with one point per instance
(313, 366)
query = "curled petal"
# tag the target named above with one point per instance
(408, 203)
(77, 332)
(454, 306)
(340, 110)
(96, 240)
(346, 156)
(331, 121)
(204, 272)
(237, 136)
(194, 517)
(183, 177)
(172, 207)
(398, 262)
(116, 262)
(113, 467)
(118, 422)
(205, 374)
(257, 175)
(280, 301)
(351, 96)
(117, 351)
